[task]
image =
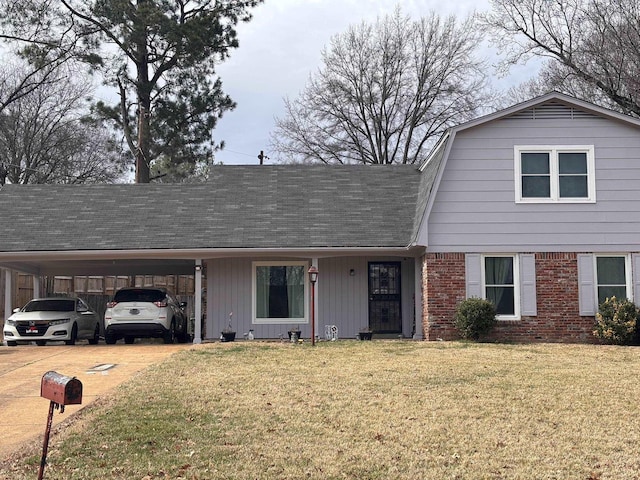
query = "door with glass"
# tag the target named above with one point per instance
(385, 313)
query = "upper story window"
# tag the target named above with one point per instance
(562, 174)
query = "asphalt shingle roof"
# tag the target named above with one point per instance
(270, 206)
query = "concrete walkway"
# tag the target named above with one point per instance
(100, 368)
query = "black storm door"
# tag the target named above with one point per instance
(385, 315)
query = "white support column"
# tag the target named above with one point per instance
(197, 331)
(36, 286)
(314, 262)
(418, 298)
(7, 294)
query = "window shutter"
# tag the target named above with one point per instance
(473, 275)
(635, 272)
(528, 301)
(586, 284)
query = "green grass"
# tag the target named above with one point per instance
(362, 410)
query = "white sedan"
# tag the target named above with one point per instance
(52, 319)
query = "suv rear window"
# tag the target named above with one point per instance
(139, 295)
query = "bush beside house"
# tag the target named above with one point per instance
(616, 322)
(475, 318)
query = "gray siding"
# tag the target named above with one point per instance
(475, 209)
(342, 298)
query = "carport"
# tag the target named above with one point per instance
(99, 262)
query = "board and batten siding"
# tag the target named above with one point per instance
(342, 298)
(475, 209)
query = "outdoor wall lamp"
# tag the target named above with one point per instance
(198, 268)
(313, 278)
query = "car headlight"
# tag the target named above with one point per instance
(58, 322)
(12, 323)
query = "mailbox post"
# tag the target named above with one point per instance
(60, 390)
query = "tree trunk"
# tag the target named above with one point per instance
(143, 88)
(142, 155)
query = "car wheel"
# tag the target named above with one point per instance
(12, 344)
(74, 335)
(41, 343)
(96, 336)
(109, 339)
(129, 339)
(170, 336)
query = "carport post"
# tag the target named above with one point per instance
(36, 286)
(197, 331)
(7, 294)
(417, 295)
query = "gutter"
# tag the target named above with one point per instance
(199, 253)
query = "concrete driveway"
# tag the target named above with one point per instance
(100, 368)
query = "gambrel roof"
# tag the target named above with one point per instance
(551, 106)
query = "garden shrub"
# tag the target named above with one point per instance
(616, 321)
(475, 317)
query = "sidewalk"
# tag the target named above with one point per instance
(100, 368)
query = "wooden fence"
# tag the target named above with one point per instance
(95, 290)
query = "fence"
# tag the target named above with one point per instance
(95, 290)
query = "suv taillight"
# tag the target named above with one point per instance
(111, 304)
(161, 303)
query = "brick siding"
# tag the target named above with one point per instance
(557, 319)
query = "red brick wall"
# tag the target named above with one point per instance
(557, 317)
(443, 287)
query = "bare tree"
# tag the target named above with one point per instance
(160, 56)
(13, 88)
(384, 92)
(592, 46)
(47, 137)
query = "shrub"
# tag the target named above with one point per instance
(475, 317)
(616, 321)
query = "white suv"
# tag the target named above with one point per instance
(145, 312)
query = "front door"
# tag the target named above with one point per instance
(385, 314)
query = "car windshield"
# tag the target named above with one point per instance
(50, 306)
(139, 295)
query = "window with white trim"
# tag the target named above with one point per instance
(562, 174)
(500, 277)
(613, 277)
(279, 292)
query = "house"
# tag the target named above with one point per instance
(253, 231)
(535, 207)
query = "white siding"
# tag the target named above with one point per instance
(475, 209)
(342, 298)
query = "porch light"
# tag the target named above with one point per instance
(313, 278)
(313, 274)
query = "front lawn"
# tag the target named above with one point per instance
(361, 410)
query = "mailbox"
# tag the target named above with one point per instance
(61, 389)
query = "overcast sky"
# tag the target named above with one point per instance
(280, 47)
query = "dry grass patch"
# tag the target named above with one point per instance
(365, 410)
